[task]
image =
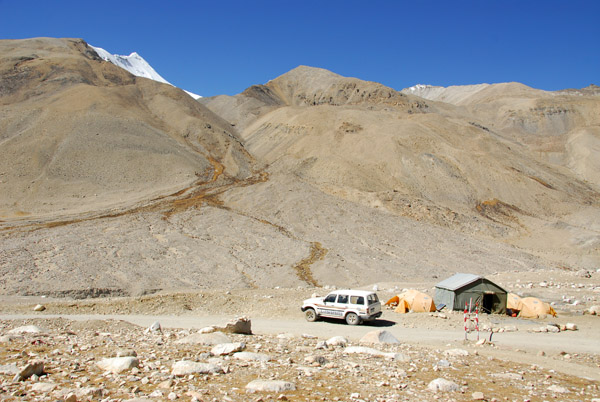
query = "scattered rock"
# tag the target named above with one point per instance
(9, 369)
(337, 341)
(44, 387)
(375, 352)
(271, 386)
(508, 376)
(251, 356)
(223, 349)
(118, 364)
(558, 389)
(186, 367)
(126, 353)
(456, 352)
(213, 338)
(207, 330)
(9, 338)
(442, 385)
(28, 329)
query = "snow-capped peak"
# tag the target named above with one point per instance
(418, 87)
(136, 65)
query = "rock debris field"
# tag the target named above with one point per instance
(46, 359)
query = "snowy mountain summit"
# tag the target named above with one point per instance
(136, 65)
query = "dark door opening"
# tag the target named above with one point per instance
(487, 304)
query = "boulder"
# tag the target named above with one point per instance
(240, 325)
(571, 327)
(118, 364)
(442, 385)
(186, 367)
(213, 338)
(155, 327)
(39, 307)
(594, 310)
(33, 368)
(271, 386)
(223, 349)
(379, 337)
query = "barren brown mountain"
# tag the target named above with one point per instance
(112, 184)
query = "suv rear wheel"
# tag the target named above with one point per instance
(352, 319)
(310, 315)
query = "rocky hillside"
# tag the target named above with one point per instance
(503, 161)
(112, 184)
(80, 134)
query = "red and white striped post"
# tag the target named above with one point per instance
(477, 319)
(465, 318)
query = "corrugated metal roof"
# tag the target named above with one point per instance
(457, 281)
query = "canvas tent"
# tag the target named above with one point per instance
(412, 300)
(459, 289)
(529, 307)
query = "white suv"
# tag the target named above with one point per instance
(354, 306)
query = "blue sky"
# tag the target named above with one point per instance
(223, 47)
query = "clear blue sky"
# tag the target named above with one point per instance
(223, 47)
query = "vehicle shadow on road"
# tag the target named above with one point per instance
(374, 323)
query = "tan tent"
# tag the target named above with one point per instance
(412, 300)
(529, 307)
(513, 302)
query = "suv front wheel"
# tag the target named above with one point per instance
(310, 315)
(352, 319)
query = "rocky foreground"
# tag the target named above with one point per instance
(108, 360)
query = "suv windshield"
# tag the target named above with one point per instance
(372, 298)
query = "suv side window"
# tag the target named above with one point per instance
(357, 300)
(343, 299)
(330, 298)
(372, 298)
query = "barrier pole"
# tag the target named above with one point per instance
(465, 319)
(477, 319)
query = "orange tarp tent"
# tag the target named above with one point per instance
(412, 300)
(529, 307)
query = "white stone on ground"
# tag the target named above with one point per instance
(442, 385)
(271, 386)
(223, 349)
(118, 364)
(186, 367)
